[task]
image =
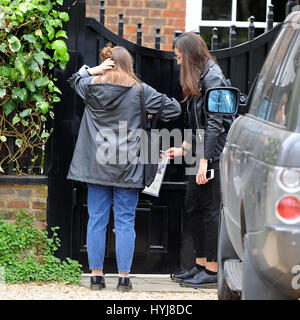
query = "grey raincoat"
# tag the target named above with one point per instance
(111, 117)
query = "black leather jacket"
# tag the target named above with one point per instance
(215, 126)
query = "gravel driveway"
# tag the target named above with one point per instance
(144, 288)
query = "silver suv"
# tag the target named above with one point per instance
(259, 231)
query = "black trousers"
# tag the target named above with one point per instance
(202, 204)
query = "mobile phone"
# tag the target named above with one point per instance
(210, 174)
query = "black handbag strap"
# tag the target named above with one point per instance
(143, 110)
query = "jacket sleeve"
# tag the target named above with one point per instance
(171, 110)
(214, 122)
(79, 81)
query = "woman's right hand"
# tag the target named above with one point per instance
(105, 65)
(174, 152)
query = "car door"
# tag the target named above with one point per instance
(237, 161)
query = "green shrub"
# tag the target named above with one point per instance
(31, 45)
(22, 245)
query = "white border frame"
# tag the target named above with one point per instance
(192, 21)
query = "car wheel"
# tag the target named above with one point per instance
(225, 251)
(253, 287)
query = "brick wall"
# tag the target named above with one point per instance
(169, 15)
(33, 198)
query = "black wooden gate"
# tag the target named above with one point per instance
(161, 246)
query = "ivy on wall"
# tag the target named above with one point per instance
(32, 44)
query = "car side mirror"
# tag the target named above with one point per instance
(222, 100)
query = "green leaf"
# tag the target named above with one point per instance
(34, 66)
(3, 138)
(51, 65)
(25, 113)
(43, 118)
(25, 123)
(18, 142)
(20, 94)
(15, 119)
(37, 97)
(65, 58)
(64, 16)
(61, 33)
(14, 75)
(57, 90)
(45, 134)
(40, 82)
(51, 32)
(31, 38)
(2, 93)
(56, 99)
(30, 85)
(20, 66)
(9, 107)
(44, 106)
(5, 72)
(51, 115)
(62, 65)
(60, 2)
(14, 43)
(60, 47)
(23, 7)
(32, 133)
(3, 47)
(39, 57)
(19, 16)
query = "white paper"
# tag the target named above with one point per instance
(154, 188)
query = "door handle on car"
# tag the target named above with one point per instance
(233, 147)
(245, 156)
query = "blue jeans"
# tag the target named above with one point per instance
(124, 204)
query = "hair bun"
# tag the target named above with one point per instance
(106, 52)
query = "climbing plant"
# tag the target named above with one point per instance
(31, 45)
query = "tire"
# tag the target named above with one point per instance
(253, 287)
(225, 252)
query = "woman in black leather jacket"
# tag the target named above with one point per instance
(199, 72)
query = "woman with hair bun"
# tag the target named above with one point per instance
(111, 92)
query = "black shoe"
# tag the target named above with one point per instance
(97, 283)
(185, 274)
(124, 284)
(199, 279)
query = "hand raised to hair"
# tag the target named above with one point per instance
(104, 66)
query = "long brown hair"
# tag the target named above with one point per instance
(194, 58)
(122, 73)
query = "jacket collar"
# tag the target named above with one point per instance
(207, 67)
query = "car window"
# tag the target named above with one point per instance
(280, 107)
(274, 80)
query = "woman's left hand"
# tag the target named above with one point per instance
(104, 66)
(201, 176)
